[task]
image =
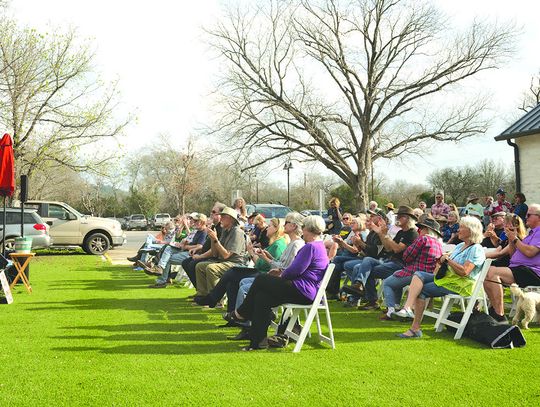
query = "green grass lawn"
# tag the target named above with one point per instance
(94, 334)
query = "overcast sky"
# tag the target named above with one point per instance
(156, 49)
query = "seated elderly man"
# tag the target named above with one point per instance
(228, 251)
(524, 267)
(190, 263)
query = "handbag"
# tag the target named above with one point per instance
(454, 282)
(441, 272)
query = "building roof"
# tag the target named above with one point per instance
(527, 125)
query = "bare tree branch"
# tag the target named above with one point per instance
(345, 84)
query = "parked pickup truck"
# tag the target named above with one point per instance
(68, 227)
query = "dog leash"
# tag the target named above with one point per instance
(497, 282)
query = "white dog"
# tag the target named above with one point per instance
(528, 303)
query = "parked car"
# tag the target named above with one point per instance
(269, 211)
(308, 212)
(33, 227)
(159, 219)
(137, 221)
(68, 227)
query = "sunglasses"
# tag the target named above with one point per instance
(216, 212)
(346, 218)
(532, 214)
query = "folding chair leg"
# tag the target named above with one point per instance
(443, 314)
(305, 330)
(465, 319)
(329, 323)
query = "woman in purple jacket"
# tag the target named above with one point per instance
(297, 284)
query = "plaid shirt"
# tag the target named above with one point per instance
(421, 255)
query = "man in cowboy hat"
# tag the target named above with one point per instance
(226, 251)
(473, 207)
(372, 269)
(439, 208)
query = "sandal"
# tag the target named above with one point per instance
(413, 334)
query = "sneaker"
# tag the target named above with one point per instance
(138, 269)
(150, 270)
(370, 306)
(404, 314)
(133, 259)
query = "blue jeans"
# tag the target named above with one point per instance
(349, 266)
(372, 269)
(174, 257)
(393, 289)
(245, 285)
(430, 289)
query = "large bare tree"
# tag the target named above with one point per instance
(53, 103)
(347, 83)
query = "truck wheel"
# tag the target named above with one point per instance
(10, 244)
(96, 243)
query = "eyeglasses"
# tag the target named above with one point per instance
(532, 214)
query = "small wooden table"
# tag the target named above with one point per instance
(21, 261)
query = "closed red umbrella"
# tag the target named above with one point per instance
(7, 166)
(7, 176)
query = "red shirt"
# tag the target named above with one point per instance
(421, 255)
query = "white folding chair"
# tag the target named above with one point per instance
(182, 276)
(319, 303)
(451, 299)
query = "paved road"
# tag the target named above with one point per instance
(135, 239)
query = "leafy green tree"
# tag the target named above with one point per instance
(53, 103)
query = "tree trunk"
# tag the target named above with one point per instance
(360, 191)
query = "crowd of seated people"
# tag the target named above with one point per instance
(257, 264)
(421, 255)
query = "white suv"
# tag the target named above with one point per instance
(68, 227)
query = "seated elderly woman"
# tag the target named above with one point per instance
(298, 284)
(422, 255)
(229, 282)
(524, 266)
(293, 228)
(462, 268)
